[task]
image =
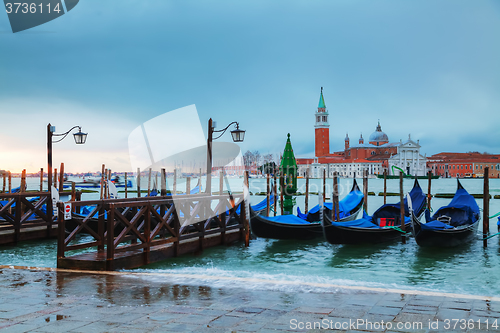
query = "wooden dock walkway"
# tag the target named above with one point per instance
(23, 217)
(129, 233)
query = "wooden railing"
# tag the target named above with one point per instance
(19, 213)
(121, 226)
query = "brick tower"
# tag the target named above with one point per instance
(322, 129)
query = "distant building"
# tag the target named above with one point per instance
(354, 159)
(408, 159)
(464, 165)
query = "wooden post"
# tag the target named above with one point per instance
(402, 207)
(147, 233)
(324, 185)
(268, 204)
(385, 186)
(156, 181)
(138, 182)
(429, 195)
(243, 211)
(110, 237)
(335, 198)
(221, 182)
(107, 183)
(365, 190)
(102, 181)
(200, 181)
(163, 178)
(10, 182)
(55, 178)
(126, 186)
(275, 192)
(188, 185)
(23, 181)
(78, 198)
(5, 180)
(73, 193)
(486, 206)
(41, 181)
(61, 179)
(281, 193)
(174, 186)
(61, 234)
(307, 192)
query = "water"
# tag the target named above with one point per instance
(470, 269)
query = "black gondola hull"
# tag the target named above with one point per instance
(265, 228)
(443, 238)
(350, 235)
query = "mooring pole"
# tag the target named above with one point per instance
(149, 183)
(365, 190)
(188, 185)
(268, 204)
(138, 181)
(282, 183)
(163, 179)
(275, 191)
(335, 197)
(324, 185)
(102, 181)
(306, 208)
(385, 186)
(41, 180)
(61, 178)
(486, 206)
(126, 186)
(402, 207)
(10, 182)
(243, 210)
(55, 178)
(221, 182)
(429, 195)
(174, 186)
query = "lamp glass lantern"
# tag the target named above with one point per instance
(238, 135)
(80, 137)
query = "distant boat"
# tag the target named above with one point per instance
(451, 225)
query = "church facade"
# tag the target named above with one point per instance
(374, 156)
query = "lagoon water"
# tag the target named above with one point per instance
(470, 269)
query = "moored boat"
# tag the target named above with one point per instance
(382, 226)
(295, 227)
(451, 225)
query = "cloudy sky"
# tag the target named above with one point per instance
(429, 68)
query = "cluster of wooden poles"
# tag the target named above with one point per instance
(335, 198)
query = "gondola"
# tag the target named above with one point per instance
(381, 227)
(294, 227)
(451, 225)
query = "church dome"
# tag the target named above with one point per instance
(378, 137)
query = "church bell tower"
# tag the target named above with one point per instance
(322, 129)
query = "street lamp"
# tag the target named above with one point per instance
(237, 135)
(80, 138)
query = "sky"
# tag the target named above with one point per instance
(429, 68)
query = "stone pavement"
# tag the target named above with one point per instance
(38, 300)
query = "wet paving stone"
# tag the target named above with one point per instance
(39, 301)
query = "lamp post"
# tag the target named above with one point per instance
(237, 135)
(80, 138)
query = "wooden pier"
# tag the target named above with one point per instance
(129, 233)
(23, 219)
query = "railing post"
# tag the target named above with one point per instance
(101, 228)
(147, 233)
(61, 231)
(110, 237)
(177, 225)
(17, 219)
